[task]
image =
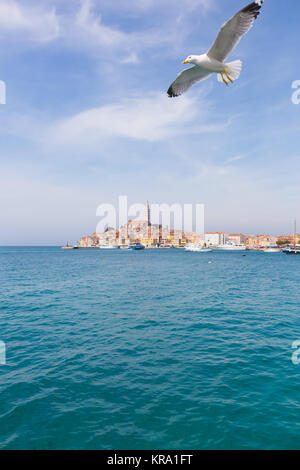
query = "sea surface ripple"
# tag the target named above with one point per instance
(159, 349)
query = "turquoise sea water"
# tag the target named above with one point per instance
(159, 349)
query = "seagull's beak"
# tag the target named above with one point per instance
(185, 61)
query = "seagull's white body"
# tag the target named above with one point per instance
(208, 63)
(214, 60)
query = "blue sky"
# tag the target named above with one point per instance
(87, 118)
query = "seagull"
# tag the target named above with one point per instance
(214, 60)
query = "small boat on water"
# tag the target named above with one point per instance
(272, 249)
(69, 247)
(292, 251)
(296, 248)
(109, 247)
(136, 247)
(193, 247)
(231, 247)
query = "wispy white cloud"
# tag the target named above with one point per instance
(130, 59)
(87, 30)
(91, 28)
(81, 26)
(204, 5)
(31, 22)
(236, 158)
(151, 118)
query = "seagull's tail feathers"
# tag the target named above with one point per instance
(232, 70)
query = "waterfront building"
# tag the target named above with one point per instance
(88, 242)
(266, 241)
(216, 238)
(252, 242)
(269, 241)
(256, 242)
(109, 237)
(237, 238)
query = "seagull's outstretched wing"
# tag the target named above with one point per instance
(186, 79)
(232, 32)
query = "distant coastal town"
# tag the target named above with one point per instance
(157, 236)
